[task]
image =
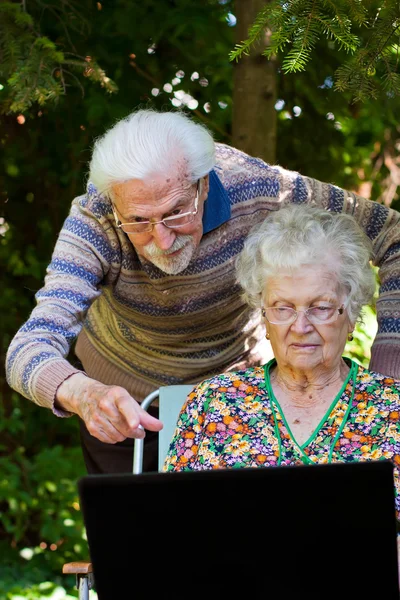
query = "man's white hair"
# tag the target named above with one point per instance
(148, 143)
(296, 236)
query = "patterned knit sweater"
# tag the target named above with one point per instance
(140, 328)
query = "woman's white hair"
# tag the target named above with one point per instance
(299, 235)
(148, 143)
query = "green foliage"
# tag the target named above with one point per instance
(34, 69)
(324, 135)
(28, 580)
(40, 520)
(360, 347)
(369, 31)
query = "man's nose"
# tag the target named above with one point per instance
(163, 236)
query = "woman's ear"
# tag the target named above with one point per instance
(351, 327)
(205, 186)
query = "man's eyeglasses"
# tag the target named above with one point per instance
(172, 222)
(318, 315)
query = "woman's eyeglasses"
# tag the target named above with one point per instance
(318, 315)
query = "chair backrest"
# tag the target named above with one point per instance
(171, 399)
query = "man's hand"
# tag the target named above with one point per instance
(109, 412)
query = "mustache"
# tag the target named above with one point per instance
(152, 250)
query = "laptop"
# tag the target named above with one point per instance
(315, 532)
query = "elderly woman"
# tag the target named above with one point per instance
(308, 271)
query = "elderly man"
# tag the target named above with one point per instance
(142, 278)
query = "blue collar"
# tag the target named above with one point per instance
(217, 207)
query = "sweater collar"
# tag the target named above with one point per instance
(217, 207)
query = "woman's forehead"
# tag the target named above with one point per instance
(304, 283)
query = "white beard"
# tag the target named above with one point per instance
(174, 264)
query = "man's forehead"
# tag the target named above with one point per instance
(145, 198)
(153, 187)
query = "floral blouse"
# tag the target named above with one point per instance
(233, 420)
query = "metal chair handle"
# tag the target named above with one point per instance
(139, 443)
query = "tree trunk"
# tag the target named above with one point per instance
(254, 91)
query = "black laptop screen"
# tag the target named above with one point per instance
(321, 531)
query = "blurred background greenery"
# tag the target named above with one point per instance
(69, 71)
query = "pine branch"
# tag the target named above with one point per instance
(393, 30)
(254, 33)
(296, 60)
(355, 79)
(33, 66)
(357, 12)
(301, 23)
(391, 83)
(339, 30)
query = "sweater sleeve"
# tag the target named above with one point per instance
(382, 225)
(36, 362)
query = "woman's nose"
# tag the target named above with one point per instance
(302, 323)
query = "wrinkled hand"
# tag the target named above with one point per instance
(109, 411)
